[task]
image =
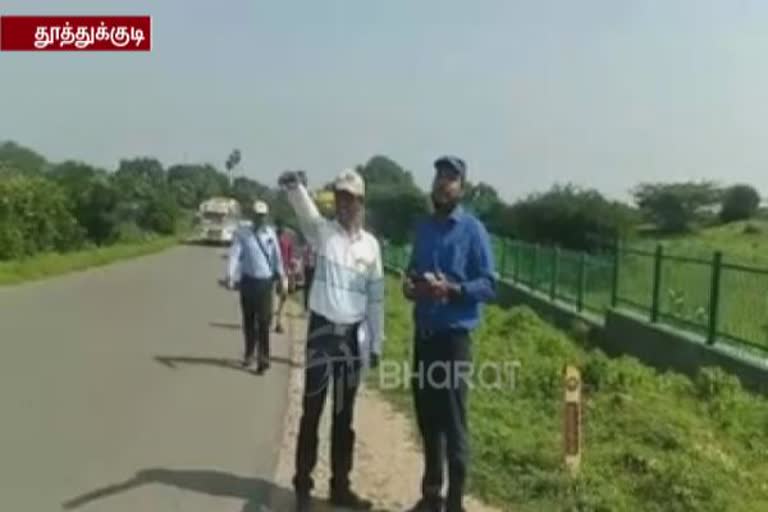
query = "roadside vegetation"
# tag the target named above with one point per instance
(653, 442)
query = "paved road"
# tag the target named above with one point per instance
(117, 392)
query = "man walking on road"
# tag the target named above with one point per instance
(255, 257)
(450, 274)
(345, 328)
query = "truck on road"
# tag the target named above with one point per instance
(218, 219)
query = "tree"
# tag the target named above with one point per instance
(20, 159)
(674, 207)
(393, 201)
(381, 170)
(740, 202)
(161, 214)
(232, 161)
(567, 216)
(192, 184)
(138, 179)
(35, 216)
(94, 199)
(483, 200)
(246, 191)
(391, 212)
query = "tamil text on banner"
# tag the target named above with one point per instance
(76, 33)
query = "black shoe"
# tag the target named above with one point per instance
(263, 366)
(247, 362)
(428, 505)
(279, 328)
(303, 502)
(347, 498)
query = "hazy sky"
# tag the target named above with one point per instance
(602, 93)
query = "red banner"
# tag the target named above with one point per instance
(76, 33)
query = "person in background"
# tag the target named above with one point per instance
(450, 274)
(345, 330)
(309, 260)
(254, 267)
(286, 252)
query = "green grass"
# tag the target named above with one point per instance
(653, 442)
(738, 245)
(46, 265)
(685, 286)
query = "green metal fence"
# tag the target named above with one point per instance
(710, 297)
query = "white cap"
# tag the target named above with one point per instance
(350, 181)
(260, 208)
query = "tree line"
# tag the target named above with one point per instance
(47, 206)
(565, 215)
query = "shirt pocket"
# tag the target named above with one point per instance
(454, 256)
(362, 259)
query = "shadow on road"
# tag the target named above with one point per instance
(231, 364)
(259, 495)
(225, 325)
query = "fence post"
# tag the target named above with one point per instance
(503, 262)
(555, 273)
(582, 275)
(535, 269)
(516, 275)
(616, 275)
(714, 296)
(655, 299)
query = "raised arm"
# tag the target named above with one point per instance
(306, 210)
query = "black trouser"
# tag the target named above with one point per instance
(256, 307)
(331, 356)
(440, 391)
(309, 276)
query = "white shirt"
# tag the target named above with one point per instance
(348, 285)
(254, 253)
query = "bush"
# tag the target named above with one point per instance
(161, 214)
(129, 232)
(36, 216)
(569, 217)
(740, 202)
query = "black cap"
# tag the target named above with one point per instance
(452, 163)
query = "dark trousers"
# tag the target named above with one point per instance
(256, 308)
(331, 357)
(440, 396)
(309, 276)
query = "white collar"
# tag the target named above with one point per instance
(355, 235)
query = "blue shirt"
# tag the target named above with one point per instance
(459, 247)
(247, 258)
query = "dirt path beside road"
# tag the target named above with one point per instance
(388, 462)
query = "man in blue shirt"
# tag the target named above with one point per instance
(449, 276)
(255, 265)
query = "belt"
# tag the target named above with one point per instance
(423, 333)
(333, 328)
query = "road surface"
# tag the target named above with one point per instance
(119, 392)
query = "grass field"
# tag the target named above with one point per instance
(686, 277)
(653, 442)
(685, 285)
(46, 265)
(743, 243)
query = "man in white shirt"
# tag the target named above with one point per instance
(255, 266)
(345, 327)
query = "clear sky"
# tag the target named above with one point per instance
(602, 93)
